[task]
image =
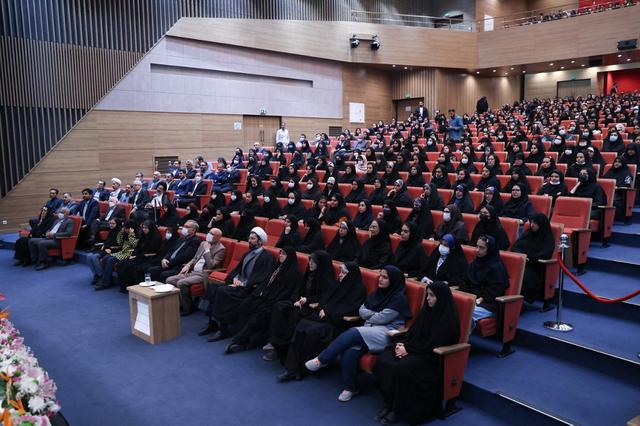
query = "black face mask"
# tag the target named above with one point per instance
(583, 179)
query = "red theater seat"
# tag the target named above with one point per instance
(68, 244)
(274, 229)
(240, 248)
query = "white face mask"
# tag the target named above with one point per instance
(562, 132)
(214, 196)
(198, 179)
(291, 184)
(309, 187)
(444, 250)
(267, 199)
(167, 235)
(291, 201)
(112, 203)
(60, 216)
(567, 152)
(446, 217)
(233, 198)
(583, 144)
(613, 138)
(209, 238)
(464, 160)
(185, 232)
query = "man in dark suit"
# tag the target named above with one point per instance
(100, 193)
(190, 170)
(184, 187)
(199, 188)
(39, 247)
(102, 223)
(157, 178)
(173, 261)
(69, 202)
(125, 195)
(254, 267)
(52, 205)
(139, 198)
(89, 209)
(422, 112)
(172, 183)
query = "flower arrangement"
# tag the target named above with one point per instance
(27, 394)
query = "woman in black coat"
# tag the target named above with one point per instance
(255, 311)
(452, 223)
(148, 252)
(290, 236)
(621, 173)
(400, 195)
(410, 255)
(462, 199)
(379, 193)
(376, 251)
(536, 243)
(431, 196)
(409, 372)
(245, 225)
(489, 224)
(555, 186)
(314, 332)
(345, 245)
(421, 216)
(391, 217)
(293, 207)
(447, 263)
(42, 225)
(313, 241)
(587, 187)
(364, 215)
(357, 192)
(518, 207)
(487, 179)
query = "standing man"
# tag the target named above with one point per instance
(210, 256)
(39, 247)
(422, 112)
(89, 210)
(454, 126)
(482, 105)
(282, 137)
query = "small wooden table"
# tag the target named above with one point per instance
(155, 317)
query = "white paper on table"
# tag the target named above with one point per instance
(142, 318)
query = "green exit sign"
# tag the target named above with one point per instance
(407, 95)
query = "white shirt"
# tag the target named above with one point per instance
(282, 136)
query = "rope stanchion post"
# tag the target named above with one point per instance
(558, 325)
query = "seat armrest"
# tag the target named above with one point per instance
(606, 207)
(582, 229)
(351, 318)
(509, 299)
(547, 261)
(446, 350)
(397, 332)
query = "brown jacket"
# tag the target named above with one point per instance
(213, 259)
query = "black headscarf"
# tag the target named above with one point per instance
(410, 255)
(517, 207)
(455, 226)
(421, 216)
(488, 268)
(245, 225)
(315, 284)
(347, 295)
(282, 281)
(622, 175)
(392, 297)
(363, 220)
(539, 244)
(313, 240)
(344, 249)
(376, 251)
(437, 326)
(491, 227)
(434, 201)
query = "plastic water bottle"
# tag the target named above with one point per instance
(147, 278)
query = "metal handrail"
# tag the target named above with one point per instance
(413, 20)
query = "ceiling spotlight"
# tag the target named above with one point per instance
(375, 43)
(573, 62)
(393, 66)
(511, 68)
(628, 59)
(582, 65)
(406, 68)
(551, 64)
(561, 68)
(619, 55)
(523, 71)
(477, 72)
(355, 42)
(506, 73)
(494, 70)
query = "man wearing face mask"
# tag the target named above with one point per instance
(182, 252)
(102, 223)
(223, 299)
(39, 247)
(209, 256)
(139, 198)
(199, 188)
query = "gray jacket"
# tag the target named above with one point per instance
(376, 327)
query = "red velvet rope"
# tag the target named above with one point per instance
(589, 292)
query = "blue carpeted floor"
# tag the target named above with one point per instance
(106, 376)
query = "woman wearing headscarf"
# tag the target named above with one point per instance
(235, 202)
(491, 197)
(410, 255)
(293, 207)
(313, 240)
(192, 214)
(554, 186)
(409, 372)
(493, 164)
(588, 187)
(558, 145)
(316, 284)
(631, 154)
(487, 179)
(581, 162)
(613, 142)
(466, 163)
(288, 172)
(620, 172)
(400, 195)
(314, 332)
(384, 310)
(222, 220)
(254, 312)
(415, 178)
(364, 215)
(547, 166)
(118, 250)
(251, 204)
(536, 243)
(205, 217)
(536, 153)
(376, 251)
(317, 209)
(379, 193)
(487, 278)
(312, 191)
(463, 177)
(245, 225)
(254, 185)
(264, 168)
(518, 207)
(447, 263)
(357, 192)
(440, 178)
(309, 173)
(489, 224)
(270, 206)
(345, 245)
(370, 175)
(349, 174)
(462, 199)
(517, 178)
(421, 216)
(391, 217)
(452, 223)
(148, 252)
(330, 188)
(42, 225)
(432, 198)
(335, 210)
(290, 236)
(444, 161)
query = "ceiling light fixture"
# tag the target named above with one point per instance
(573, 62)
(477, 72)
(551, 64)
(561, 68)
(494, 70)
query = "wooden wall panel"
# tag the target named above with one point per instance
(419, 83)
(582, 36)
(330, 40)
(370, 86)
